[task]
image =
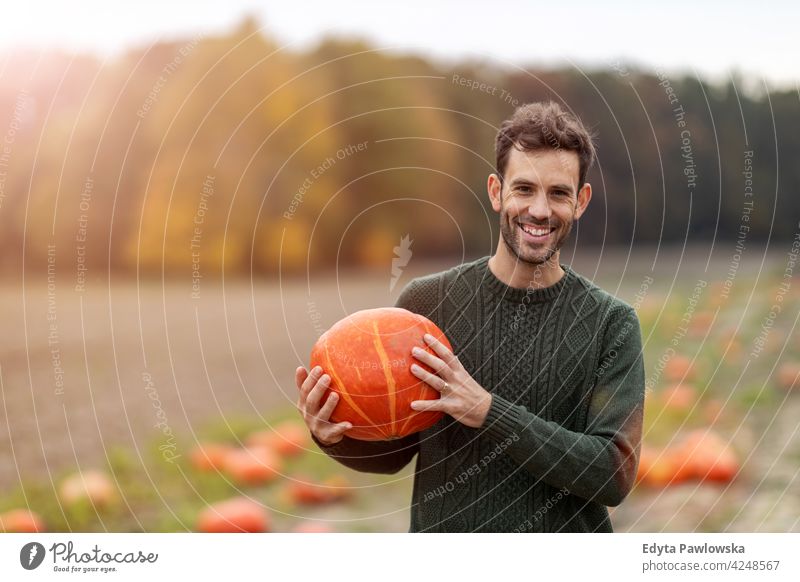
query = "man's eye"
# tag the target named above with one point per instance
(523, 189)
(560, 193)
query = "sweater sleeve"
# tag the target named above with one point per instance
(372, 456)
(598, 464)
(378, 456)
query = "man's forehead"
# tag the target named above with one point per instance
(555, 165)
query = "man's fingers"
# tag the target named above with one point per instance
(317, 392)
(431, 380)
(335, 432)
(300, 375)
(311, 380)
(426, 357)
(428, 405)
(327, 409)
(340, 428)
(441, 350)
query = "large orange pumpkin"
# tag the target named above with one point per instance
(368, 357)
(679, 397)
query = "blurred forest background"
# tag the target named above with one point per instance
(243, 135)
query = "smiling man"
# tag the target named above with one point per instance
(544, 389)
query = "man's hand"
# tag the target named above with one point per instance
(461, 396)
(312, 387)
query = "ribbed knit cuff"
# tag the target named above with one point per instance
(503, 420)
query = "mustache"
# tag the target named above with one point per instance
(546, 224)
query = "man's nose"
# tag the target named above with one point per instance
(539, 207)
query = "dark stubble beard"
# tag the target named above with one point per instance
(511, 235)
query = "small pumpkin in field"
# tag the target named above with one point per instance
(708, 456)
(679, 369)
(209, 457)
(288, 439)
(95, 487)
(647, 457)
(252, 465)
(788, 376)
(368, 358)
(236, 515)
(659, 468)
(700, 324)
(682, 468)
(302, 491)
(679, 397)
(700, 455)
(21, 521)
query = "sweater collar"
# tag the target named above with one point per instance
(530, 294)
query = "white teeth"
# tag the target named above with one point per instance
(535, 231)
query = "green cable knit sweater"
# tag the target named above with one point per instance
(561, 440)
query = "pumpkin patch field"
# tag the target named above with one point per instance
(166, 415)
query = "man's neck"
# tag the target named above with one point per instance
(521, 275)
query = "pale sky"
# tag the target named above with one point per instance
(707, 38)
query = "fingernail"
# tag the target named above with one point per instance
(325, 379)
(414, 405)
(415, 368)
(428, 338)
(416, 351)
(317, 370)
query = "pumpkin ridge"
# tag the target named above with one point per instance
(387, 372)
(343, 393)
(405, 424)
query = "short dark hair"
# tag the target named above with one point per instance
(541, 126)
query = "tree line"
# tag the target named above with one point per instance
(232, 154)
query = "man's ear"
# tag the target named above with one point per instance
(494, 187)
(584, 196)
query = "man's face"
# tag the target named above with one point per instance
(538, 202)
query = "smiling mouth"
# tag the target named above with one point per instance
(536, 233)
